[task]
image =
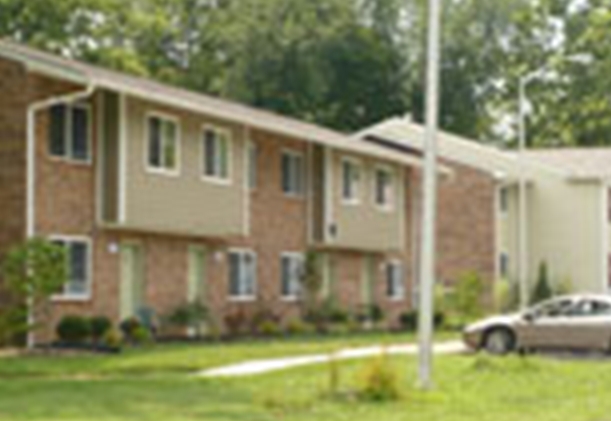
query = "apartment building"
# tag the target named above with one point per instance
(162, 196)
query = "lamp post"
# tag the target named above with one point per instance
(427, 254)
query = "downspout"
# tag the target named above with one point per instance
(32, 109)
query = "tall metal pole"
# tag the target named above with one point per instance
(427, 255)
(522, 223)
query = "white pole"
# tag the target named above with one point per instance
(522, 224)
(427, 255)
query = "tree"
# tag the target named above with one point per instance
(32, 272)
(542, 290)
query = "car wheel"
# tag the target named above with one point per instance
(499, 341)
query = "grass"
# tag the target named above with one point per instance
(152, 385)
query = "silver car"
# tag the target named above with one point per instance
(572, 322)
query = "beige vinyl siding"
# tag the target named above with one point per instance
(185, 202)
(365, 226)
(565, 230)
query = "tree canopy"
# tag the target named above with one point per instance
(351, 63)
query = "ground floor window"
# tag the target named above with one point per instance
(395, 286)
(292, 265)
(78, 254)
(242, 274)
(504, 265)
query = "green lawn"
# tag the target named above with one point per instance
(153, 385)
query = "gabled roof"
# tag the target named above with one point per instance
(402, 134)
(79, 72)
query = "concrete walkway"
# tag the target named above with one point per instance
(249, 368)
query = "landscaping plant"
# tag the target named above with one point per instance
(542, 290)
(73, 329)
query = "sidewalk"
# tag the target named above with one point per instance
(254, 367)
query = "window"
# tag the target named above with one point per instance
(503, 200)
(79, 271)
(504, 265)
(292, 173)
(253, 154)
(351, 177)
(553, 308)
(216, 153)
(242, 274)
(394, 281)
(589, 308)
(292, 267)
(69, 132)
(384, 188)
(162, 144)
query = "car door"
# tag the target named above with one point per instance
(588, 325)
(542, 326)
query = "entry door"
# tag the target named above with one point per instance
(196, 282)
(132, 280)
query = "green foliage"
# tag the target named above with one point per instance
(135, 332)
(467, 297)
(73, 329)
(299, 327)
(542, 290)
(190, 315)
(506, 297)
(111, 338)
(32, 272)
(269, 328)
(379, 381)
(409, 320)
(100, 325)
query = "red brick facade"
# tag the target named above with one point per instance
(66, 201)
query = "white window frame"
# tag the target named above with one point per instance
(164, 117)
(400, 296)
(294, 154)
(357, 165)
(503, 201)
(65, 295)
(253, 165)
(295, 256)
(390, 205)
(69, 154)
(241, 296)
(216, 178)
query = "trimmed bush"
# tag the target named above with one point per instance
(269, 328)
(409, 320)
(299, 327)
(111, 339)
(542, 290)
(99, 326)
(73, 329)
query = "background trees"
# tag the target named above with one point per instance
(351, 63)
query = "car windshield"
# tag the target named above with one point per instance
(553, 308)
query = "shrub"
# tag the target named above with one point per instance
(135, 332)
(236, 322)
(409, 320)
(262, 315)
(379, 382)
(73, 329)
(99, 326)
(542, 289)
(299, 327)
(141, 336)
(111, 339)
(370, 313)
(189, 315)
(467, 297)
(269, 328)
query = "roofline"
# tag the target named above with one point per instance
(47, 66)
(463, 142)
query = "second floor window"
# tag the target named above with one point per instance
(162, 144)
(216, 153)
(351, 178)
(69, 132)
(293, 173)
(384, 188)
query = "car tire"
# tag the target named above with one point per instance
(499, 341)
